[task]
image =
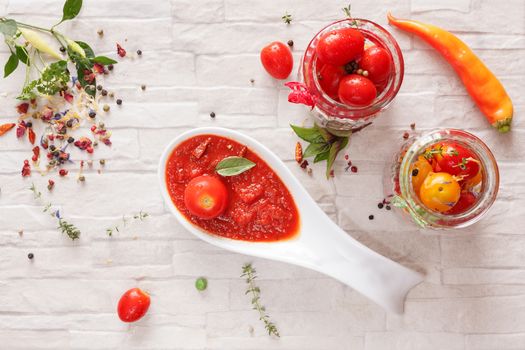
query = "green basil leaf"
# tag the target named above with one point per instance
(11, 65)
(337, 146)
(321, 156)
(8, 27)
(311, 135)
(87, 49)
(325, 134)
(103, 60)
(232, 166)
(21, 52)
(71, 9)
(314, 149)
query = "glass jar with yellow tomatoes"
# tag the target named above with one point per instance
(444, 179)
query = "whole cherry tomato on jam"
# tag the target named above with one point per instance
(466, 201)
(356, 90)
(206, 197)
(377, 62)
(133, 305)
(439, 192)
(329, 77)
(455, 159)
(419, 171)
(277, 59)
(340, 46)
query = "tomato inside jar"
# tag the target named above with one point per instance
(257, 204)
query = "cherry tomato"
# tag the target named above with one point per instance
(133, 305)
(455, 159)
(340, 46)
(439, 192)
(356, 90)
(277, 59)
(470, 183)
(419, 171)
(206, 197)
(466, 200)
(329, 77)
(377, 62)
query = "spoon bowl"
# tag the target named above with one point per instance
(319, 244)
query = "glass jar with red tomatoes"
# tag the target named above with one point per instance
(353, 69)
(444, 179)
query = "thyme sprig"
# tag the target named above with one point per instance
(64, 226)
(347, 12)
(287, 18)
(140, 216)
(249, 273)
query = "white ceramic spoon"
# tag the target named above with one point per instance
(320, 244)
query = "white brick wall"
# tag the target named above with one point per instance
(199, 56)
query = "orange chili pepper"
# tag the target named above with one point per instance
(298, 152)
(32, 136)
(6, 127)
(482, 85)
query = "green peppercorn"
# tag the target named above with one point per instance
(201, 284)
(102, 162)
(81, 178)
(106, 108)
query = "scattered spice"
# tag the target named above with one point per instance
(100, 32)
(201, 284)
(4, 128)
(388, 207)
(143, 87)
(287, 18)
(50, 184)
(26, 169)
(119, 101)
(290, 43)
(406, 135)
(212, 114)
(249, 273)
(63, 172)
(298, 152)
(139, 52)
(30, 256)
(370, 217)
(120, 51)
(380, 205)
(102, 162)
(106, 108)
(413, 126)
(353, 169)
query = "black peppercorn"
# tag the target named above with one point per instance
(415, 172)
(92, 114)
(29, 124)
(388, 207)
(30, 256)
(212, 114)
(380, 205)
(104, 92)
(139, 52)
(99, 87)
(69, 123)
(110, 66)
(70, 140)
(119, 101)
(290, 43)
(52, 147)
(143, 87)
(370, 217)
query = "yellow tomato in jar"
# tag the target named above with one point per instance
(440, 191)
(419, 171)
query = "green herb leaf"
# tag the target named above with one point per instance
(311, 135)
(232, 166)
(321, 156)
(314, 149)
(336, 147)
(8, 27)
(201, 284)
(21, 52)
(87, 49)
(11, 65)
(53, 79)
(104, 60)
(71, 9)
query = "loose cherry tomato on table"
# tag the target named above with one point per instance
(419, 171)
(439, 192)
(329, 77)
(454, 159)
(377, 62)
(340, 46)
(466, 201)
(277, 59)
(206, 197)
(356, 90)
(133, 305)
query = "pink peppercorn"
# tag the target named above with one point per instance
(62, 172)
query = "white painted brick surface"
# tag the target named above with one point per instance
(199, 57)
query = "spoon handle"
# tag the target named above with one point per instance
(333, 252)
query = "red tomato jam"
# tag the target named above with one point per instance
(260, 206)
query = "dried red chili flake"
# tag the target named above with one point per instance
(354, 169)
(300, 94)
(107, 142)
(120, 51)
(84, 143)
(332, 174)
(36, 153)
(298, 153)
(62, 172)
(21, 129)
(89, 76)
(304, 164)
(32, 136)
(22, 108)
(26, 168)
(51, 137)
(347, 157)
(198, 152)
(50, 184)
(47, 113)
(67, 96)
(98, 68)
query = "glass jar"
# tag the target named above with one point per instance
(401, 193)
(334, 115)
